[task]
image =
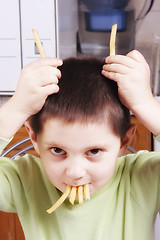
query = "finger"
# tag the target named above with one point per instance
(113, 75)
(136, 55)
(50, 71)
(53, 62)
(49, 89)
(120, 59)
(46, 75)
(50, 80)
(119, 68)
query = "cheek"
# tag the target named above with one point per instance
(53, 170)
(104, 170)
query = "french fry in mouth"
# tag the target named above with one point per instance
(86, 192)
(71, 192)
(113, 40)
(73, 195)
(80, 190)
(80, 194)
(60, 200)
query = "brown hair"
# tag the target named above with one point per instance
(85, 95)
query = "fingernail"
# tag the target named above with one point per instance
(106, 59)
(60, 62)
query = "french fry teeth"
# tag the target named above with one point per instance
(71, 192)
(73, 195)
(86, 192)
(38, 43)
(80, 195)
(113, 40)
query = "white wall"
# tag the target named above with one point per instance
(147, 39)
(149, 27)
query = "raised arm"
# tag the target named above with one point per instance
(132, 74)
(37, 80)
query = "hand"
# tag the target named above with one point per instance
(37, 80)
(132, 74)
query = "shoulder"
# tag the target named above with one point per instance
(143, 164)
(22, 168)
(141, 171)
(15, 181)
(19, 161)
(141, 160)
(21, 180)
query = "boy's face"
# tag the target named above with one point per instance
(77, 154)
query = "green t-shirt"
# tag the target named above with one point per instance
(125, 208)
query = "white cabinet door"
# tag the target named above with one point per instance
(41, 16)
(57, 25)
(17, 46)
(10, 50)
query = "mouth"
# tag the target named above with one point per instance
(71, 192)
(80, 192)
(77, 183)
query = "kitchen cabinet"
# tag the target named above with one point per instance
(142, 139)
(10, 48)
(56, 22)
(10, 228)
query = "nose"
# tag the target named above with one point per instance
(75, 169)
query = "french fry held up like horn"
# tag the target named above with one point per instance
(113, 40)
(83, 193)
(38, 43)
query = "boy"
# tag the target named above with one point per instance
(79, 133)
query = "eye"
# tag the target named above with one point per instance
(57, 151)
(94, 152)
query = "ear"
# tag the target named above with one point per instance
(32, 136)
(127, 139)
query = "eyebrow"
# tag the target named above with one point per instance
(102, 146)
(54, 144)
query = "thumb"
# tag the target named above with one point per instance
(136, 55)
(50, 89)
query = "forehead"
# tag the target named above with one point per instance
(57, 130)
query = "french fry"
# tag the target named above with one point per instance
(73, 195)
(80, 194)
(113, 40)
(86, 192)
(38, 43)
(60, 200)
(72, 191)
